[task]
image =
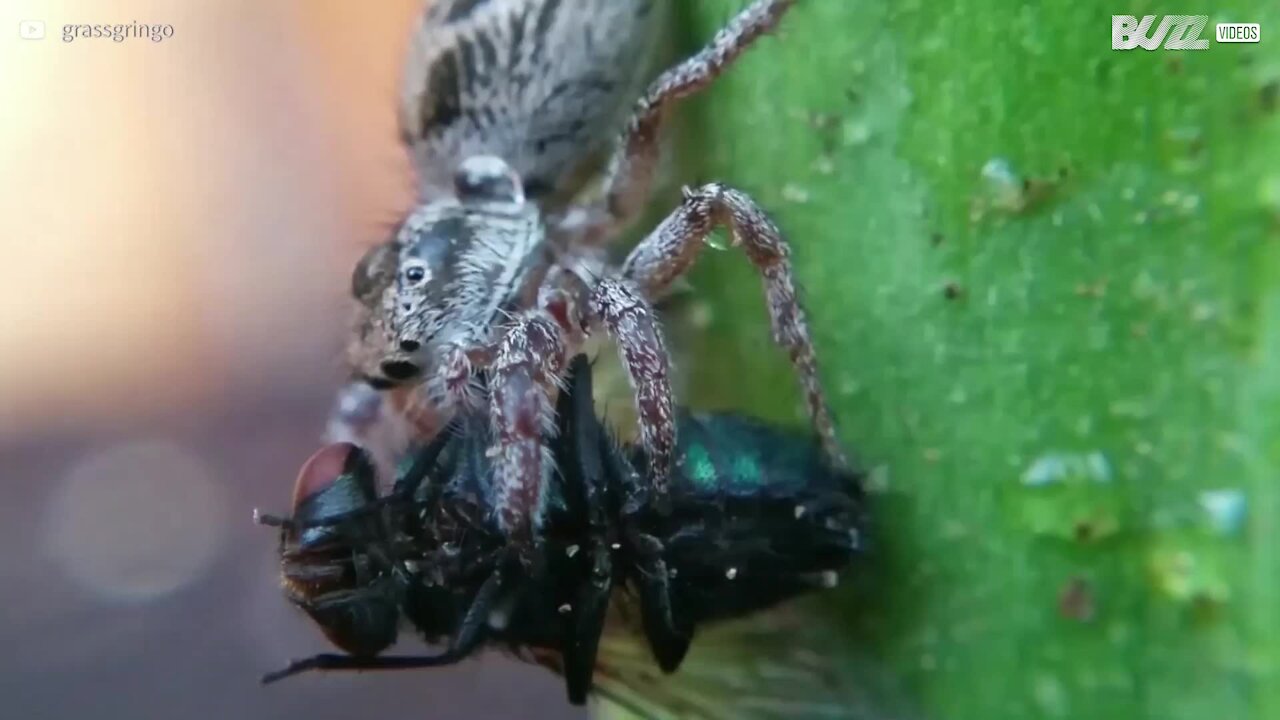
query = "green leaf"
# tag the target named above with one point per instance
(1044, 280)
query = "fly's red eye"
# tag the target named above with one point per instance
(321, 470)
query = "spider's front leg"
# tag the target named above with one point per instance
(523, 376)
(633, 325)
(669, 251)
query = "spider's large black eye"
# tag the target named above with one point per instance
(415, 274)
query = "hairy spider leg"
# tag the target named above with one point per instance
(670, 250)
(634, 160)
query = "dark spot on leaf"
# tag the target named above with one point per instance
(1076, 601)
(1102, 71)
(1084, 531)
(1206, 608)
(936, 239)
(1268, 96)
(952, 291)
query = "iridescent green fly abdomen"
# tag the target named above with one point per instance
(757, 516)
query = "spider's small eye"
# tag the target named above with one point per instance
(487, 179)
(415, 274)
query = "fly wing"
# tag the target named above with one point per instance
(773, 666)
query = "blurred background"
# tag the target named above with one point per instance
(179, 219)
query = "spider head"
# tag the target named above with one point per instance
(452, 267)
(406, 295)
(330, 563)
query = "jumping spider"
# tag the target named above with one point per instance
(484, 292)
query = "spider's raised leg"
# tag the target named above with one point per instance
(669, 251)
(631, 322)
(522, 380)
(635, 157)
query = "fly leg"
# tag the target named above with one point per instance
(668, 640)
(469, 638)
(584, 623)
(330, 661)
(591, 572)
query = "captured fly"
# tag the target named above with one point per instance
(757, 516)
